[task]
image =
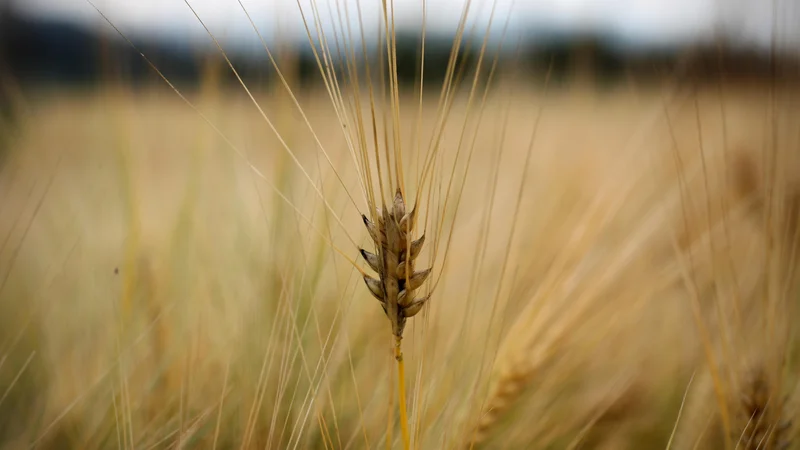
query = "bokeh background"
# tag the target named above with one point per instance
(65, 41)
(612, 265)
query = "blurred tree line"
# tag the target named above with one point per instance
(39, 51)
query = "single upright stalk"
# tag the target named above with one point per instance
(396, 252)
(390, 419)
(401, 388)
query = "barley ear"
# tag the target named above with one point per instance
(396, 251)
(504, 392)
(393, 261)
(764, 422)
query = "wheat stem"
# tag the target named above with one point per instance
(390, 416)
(401, 389)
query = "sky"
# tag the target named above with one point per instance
(646, 21)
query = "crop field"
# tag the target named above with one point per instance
(611, 269)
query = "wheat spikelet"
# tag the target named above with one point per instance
(394, 263)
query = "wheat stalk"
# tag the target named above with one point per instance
(397, 280)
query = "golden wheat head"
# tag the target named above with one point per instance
(394, 263)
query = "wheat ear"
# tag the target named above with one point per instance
(763, 415)
(504, 392)
(397, 280)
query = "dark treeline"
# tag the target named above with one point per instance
(36, 52)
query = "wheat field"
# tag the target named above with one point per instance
(611, 269)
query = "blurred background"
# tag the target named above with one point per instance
(150, 248)
(67, 41)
